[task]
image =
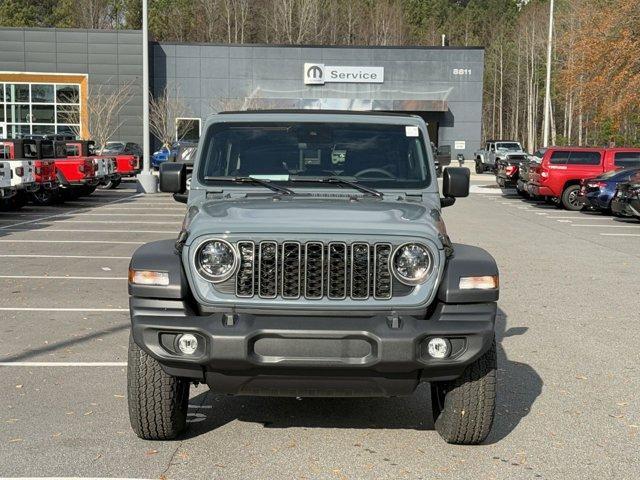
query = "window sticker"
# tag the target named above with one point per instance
(274, 177)
(411, 131)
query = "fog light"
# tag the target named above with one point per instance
(439, 347)
(187, 344)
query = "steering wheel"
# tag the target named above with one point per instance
(375, 170)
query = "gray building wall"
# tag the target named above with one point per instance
(210, 78)
(108, 57)
(213, 77)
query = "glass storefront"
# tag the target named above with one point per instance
(39, 109)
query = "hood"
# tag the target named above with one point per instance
(302, 214)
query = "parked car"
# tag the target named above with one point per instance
(106, 165)
(562, 169)
(487, 157)
(524, 171)
(508, 170)
(293, 282)
(626, 200)
(442, 156)
(597, 193)
(22, 173)
(7, 190)
(128, 158)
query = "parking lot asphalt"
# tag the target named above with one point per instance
(568, 359)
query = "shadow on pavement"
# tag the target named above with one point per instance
(518, 387)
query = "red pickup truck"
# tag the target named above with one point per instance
(106, 165)
(129, 159)
(561, 170)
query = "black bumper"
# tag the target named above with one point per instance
(506, 182)
(297, 355)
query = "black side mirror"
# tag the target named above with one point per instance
(173, 177)
(181, 197)
(455, 183)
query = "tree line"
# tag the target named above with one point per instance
(595, 66)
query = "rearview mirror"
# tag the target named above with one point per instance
(455, 183)
(173, 177)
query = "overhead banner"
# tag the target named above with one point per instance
(319, 74)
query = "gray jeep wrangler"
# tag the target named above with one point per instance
(313, 261)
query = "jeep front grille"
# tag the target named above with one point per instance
(314, 270)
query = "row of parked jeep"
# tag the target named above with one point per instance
(576, 178)
(46, 171)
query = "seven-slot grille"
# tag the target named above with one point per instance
(314, 270)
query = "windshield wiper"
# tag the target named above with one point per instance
(252, 181)
(339, 181)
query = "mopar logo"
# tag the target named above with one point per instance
(319, 74)
(313, 73)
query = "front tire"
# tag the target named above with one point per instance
(464, 408)
(479, 167)
(158, 402)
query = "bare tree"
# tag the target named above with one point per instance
(104, 104)
(163, 112)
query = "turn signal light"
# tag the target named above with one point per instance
(488, 282)
(148, 277)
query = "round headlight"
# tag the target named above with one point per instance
(412, 263)
(216, 260)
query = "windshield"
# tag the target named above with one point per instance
(511, 147)
(380, 156)
(113, 147)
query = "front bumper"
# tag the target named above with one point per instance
(506, 182)
(303, 355)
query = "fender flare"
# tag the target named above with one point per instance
(160, 256)
(467, 261)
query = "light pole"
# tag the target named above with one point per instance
(547, 95)
(147, 182)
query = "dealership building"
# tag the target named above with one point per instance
(47, 77)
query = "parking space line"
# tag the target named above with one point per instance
(86, 231)
(582, 217)
(53, 309)
(26, 222)
(97, 257)
(57, 277)
(100, 214)
(620, 234)
(111, 242)
(63, 364)
(117, 222)
(605, 226)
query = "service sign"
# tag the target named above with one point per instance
(319, 74)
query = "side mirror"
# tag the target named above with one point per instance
(173, 177)
(455, 183)
(181, 197)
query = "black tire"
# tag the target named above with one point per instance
(570, 200)
(523, 194)
(45, 197)
(110, 184)
(479, 167)
(463, 409)
(158, 402)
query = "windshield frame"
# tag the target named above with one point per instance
(427, 184)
